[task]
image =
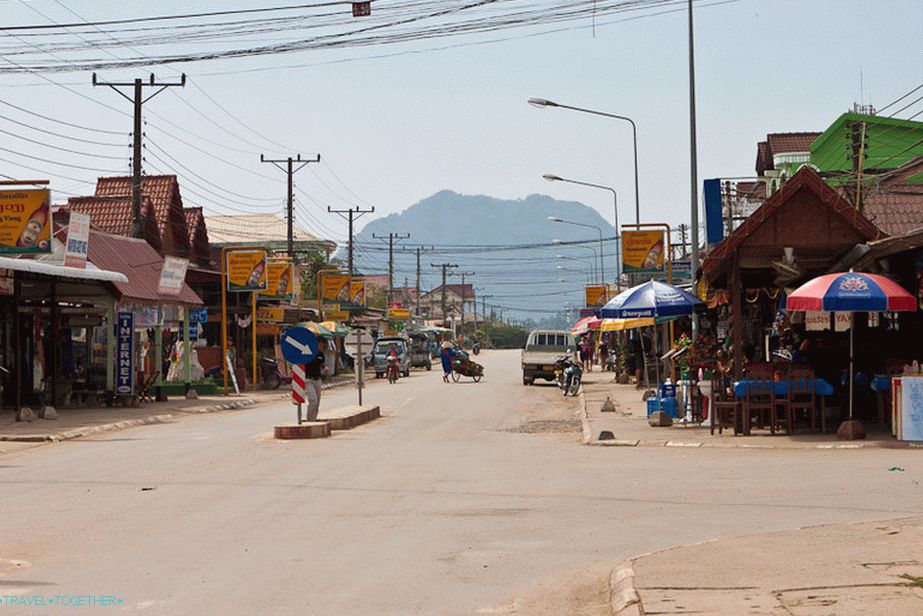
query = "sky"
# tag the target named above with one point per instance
(394, 129)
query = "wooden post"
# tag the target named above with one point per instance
(736, 315)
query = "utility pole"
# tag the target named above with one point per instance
(138, 101)
(290, 171)
(463, 295)
(682, 239)
(352, 214)
(693, 166)
(419, 250)
(484, 299)
(445, 267)
(391, 237)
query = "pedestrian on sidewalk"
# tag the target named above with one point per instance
(314, 371)
(447, 355)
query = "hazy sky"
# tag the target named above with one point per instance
(393, 130)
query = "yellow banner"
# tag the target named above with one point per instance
(25, 221)
(335, 287)
(597, 295)
(336, 315)
(246, 270)
(399, 314)
(280, 280)
(268, 329)
(270, 314)
(643, 251)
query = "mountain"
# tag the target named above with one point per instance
(482, 234)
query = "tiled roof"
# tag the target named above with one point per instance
(894, 212)
(783, 143)
(241, 228)
(163, 191)
(113, 215)
(198, 234)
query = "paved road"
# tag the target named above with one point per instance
(444, 506)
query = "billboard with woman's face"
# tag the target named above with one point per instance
(25, 221)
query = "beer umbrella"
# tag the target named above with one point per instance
(851, 292)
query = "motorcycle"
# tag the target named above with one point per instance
(393, 368)
(568, 375)
(273, 377)
(476, 348)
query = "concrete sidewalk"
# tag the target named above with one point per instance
(82, 421)
(866, 568)
(628, 425)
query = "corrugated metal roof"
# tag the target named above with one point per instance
(37, 266)
(140, 263)
(249, 228)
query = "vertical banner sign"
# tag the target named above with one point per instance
(714, 220)
(124, 357)
(280, 280)
(357, 292)
(78, 237)
(335, 288)
(25, 221)
(172, 275)
(643, 252)
(246, 270)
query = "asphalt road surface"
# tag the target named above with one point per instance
(464, 498)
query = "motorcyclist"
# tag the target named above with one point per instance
(476, 347)
(393, 360)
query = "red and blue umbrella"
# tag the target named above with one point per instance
(851, 292)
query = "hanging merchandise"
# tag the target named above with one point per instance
(244, 322)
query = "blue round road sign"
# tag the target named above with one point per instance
(299, 345)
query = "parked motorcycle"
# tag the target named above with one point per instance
(568, 375)
(393, 368)
(273, 377)
(476, 348)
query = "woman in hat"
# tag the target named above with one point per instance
(447, 355)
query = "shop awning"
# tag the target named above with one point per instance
(50, 269)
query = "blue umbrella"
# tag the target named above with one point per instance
(651, 299)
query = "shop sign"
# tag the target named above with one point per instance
(682, 271)
(280, 280)
(270, 314)
(399, 314)
(78, 238)
(246, 270)
(643, 252)
(335, 288)
(268, 329)
(816, 321)
(336, 315)
(357, 292)
(124, 363)
(198, 315)
(147, 316)
(193, 332)
(596, 295)
(172, 275)
(25, 221)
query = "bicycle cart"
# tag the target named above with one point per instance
(462, 366)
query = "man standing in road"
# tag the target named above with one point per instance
(314, 371)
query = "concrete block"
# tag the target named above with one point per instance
(311, 429)
(660, 419)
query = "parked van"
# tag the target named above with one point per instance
(543, 348)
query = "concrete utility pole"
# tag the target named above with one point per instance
(290, 171)
(350, 215)
(138, 101)
(463, 295)
(682, 239)
(419, 250)
(484, 299)
(693, 167)
(445, 267)
(391, 237)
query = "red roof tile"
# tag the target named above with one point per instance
(895, 212)
(782, 143)
(163, 191)
(198, 234)
(113, 215)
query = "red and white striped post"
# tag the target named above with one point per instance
(298, 391)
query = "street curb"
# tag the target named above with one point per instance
(623, 597)
(585, 420)
(125, 423)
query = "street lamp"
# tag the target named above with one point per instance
(590, 248)
(542, 103)
(561, 268)
(615, 201)
(602, 269)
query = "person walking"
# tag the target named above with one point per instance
(584, 354)
(447, 355)
(314, 371)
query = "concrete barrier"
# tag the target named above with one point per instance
(311, 429)
(348, 417)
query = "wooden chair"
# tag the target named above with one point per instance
(725, 407)
(760, 395)
(801, 396)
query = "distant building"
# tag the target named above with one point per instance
(269, 230)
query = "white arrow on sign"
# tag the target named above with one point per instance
(301, 347)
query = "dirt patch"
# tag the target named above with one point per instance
(549, 426)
